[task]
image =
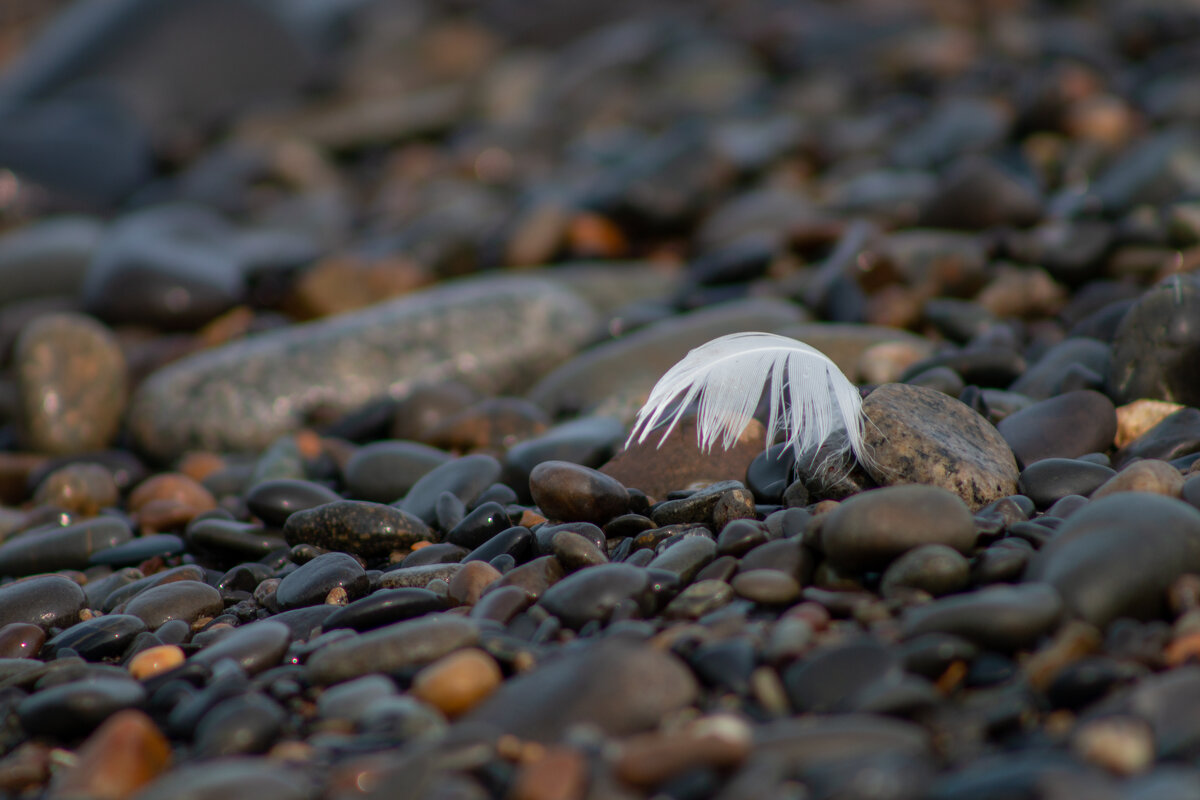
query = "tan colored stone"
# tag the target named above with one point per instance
(1149, 475)
(155, 661)
(456, 683)
(1134, 419)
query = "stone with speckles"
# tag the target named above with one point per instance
(918, 435)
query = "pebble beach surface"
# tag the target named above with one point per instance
(320, 353)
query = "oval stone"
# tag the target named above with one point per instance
(918, 435)
(870, 529)
(570, 492)
(371, 530)
(70, 547)
(400, 646)
(185, 600)
(311, 583)
(1067, 426)
(274, 500)
(48, 601)
(999, 617)
(1117, 556)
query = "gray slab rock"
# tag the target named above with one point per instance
(493, 334)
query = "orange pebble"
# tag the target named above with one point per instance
(457, 682)
(155, 661)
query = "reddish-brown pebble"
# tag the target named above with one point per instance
(21, 640)
(155, 661)
(721, 741)
(559, 774)
(122, 756)
(199, 464)
(171, 486)
(469, 582)
(457, 682)
(164, 514)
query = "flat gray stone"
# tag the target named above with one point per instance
(493, 334)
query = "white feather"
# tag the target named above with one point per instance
(810, 398)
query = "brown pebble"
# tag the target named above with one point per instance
(720, 741)
(171, 486)
(457, 682)
(21, 640)
(1183, 649)
(559, 774)
(123, 755)
(470, 582)
(593, 236)
(155, 661)
(164, 514)
(27, 767)
(199, 464)
(1149, 475)
(337, 596)
(81, 488)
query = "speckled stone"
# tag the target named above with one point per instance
(918, 435)
(491, 334)
(372, 530)
(72, 382)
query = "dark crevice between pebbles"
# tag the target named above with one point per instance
(322, 326)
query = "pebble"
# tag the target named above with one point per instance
(1000, 617)
(918, 435)
(370, 530)
(593, 594)
(1051, 479)
(384, 607)
(385, 471)
(1067, 426)
(402, 645)
(571, 492)
(465, 478)
(77, 708)
(458, 682)
(1161, 321)
(260, 388)
(98, 638)
(588, 441)
(1176, 435)
(48, 601)
(81, 488)
(254, 647)
(243, 725)
(766, 586)
(72, 383)
(48, 549)
(658, 467)
(619, 687)
(155, 661)
(1089, 560)
(1150, 475)
(933, 568)
(872, 529)
(121, 757)
(21, 640)
(312, 582)
(236, 778)
(185, 600)
(273, 501)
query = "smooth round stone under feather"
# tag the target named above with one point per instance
(918, 435)
(574, 493)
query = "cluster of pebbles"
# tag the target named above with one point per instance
(314, 474)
